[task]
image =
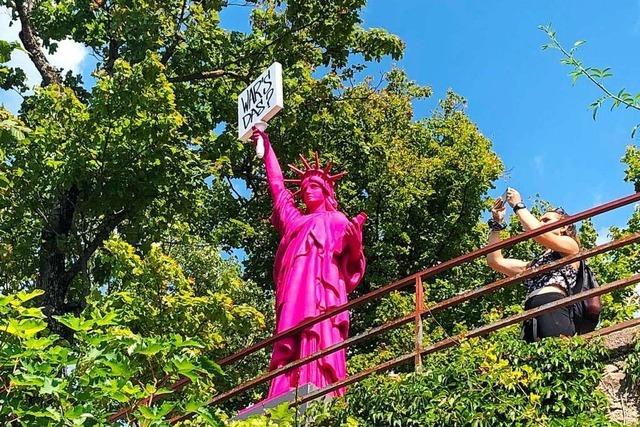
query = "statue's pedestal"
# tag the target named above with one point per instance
(260, 407)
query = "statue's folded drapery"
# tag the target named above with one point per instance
(314, 271)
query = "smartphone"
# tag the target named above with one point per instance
(504, 196)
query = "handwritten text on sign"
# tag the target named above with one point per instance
(260, 101)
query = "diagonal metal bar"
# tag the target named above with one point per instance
(612, 329)
(429, 272)
(478, 332)
(466, 296)
(527, 274)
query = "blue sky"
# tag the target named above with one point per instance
(520, 96)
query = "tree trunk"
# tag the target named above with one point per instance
(52, 277)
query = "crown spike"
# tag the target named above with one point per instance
(292, 181)
(305, 162)
(296, 170)
(337, 176)
(317, 159)
(296, 193)
(327, 168)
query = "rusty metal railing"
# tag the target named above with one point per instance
(421, 311)
(478, 332)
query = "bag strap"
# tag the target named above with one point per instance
(566, 280)
(572, 307)
(534, 329)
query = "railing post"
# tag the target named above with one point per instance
(418, 322)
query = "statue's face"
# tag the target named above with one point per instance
(313, 195)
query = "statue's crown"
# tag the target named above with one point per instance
(314, 170)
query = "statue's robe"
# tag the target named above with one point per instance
(313, 273)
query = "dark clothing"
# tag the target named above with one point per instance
(558, 278)
(553, 324)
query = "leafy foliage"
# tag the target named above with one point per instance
(119, 201)
(47, 381)
(483, 382)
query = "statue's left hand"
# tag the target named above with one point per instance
(353, 235)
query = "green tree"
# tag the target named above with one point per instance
(100, 181)
(132, 151)
(47, 383)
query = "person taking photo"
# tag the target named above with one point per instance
(546, 287)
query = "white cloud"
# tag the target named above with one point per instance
(7, 32)
(597, 193)
(69, 55)
(603, 236)
(598, 199)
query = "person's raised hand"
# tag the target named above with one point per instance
(353, 235)
(513, 197)
(498, 211)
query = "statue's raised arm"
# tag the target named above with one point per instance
(274, 171)
(285, 211)
(320, 259)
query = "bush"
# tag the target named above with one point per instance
(49, 381)
(483, 382)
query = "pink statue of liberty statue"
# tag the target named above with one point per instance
(318, 262)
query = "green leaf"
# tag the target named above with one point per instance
(50, 413)
(75, 323)
(25, 328)
(79, 415)
(26, 296)
(38, 343)
(6, 299)
(147, 413)
(211, 366)
(119, 369)
(149, 349)
(183, 365)
(31, 312)
(110, 318)
(575, 75)
(49, 388)
(206, 414)
(27, 380)
(179, 342)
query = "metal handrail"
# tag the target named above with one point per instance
(399, 284)
(432, 271)
(478, 332)
(429, 311)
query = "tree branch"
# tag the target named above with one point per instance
(177, 36)
(104, 230)
(206, 75)
(112, 55)
(587, 74)
(203, 75)
(31, 43)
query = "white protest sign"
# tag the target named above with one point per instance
(260, 101)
